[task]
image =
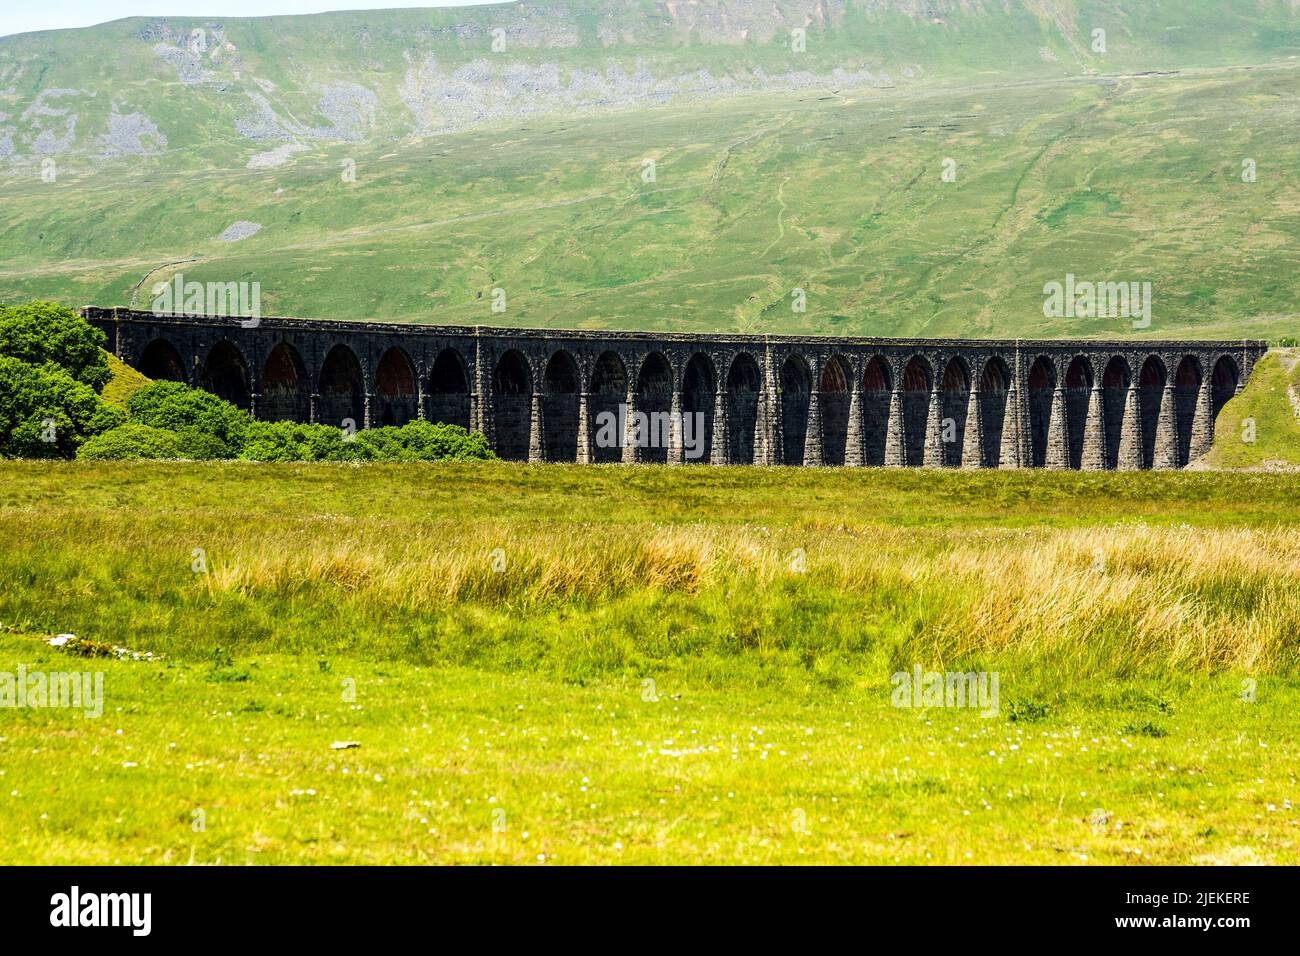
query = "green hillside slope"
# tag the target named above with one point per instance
(918, 169)
(1260, 428)
(123, 384)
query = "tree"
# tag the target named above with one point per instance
(41, 332)
(45, 412)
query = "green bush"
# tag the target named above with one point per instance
(382, 444)
(184, 410)
(46, 413)
(436, 442)
(415, 441)
(129, 441)
(290, 441)
(425, 441)
(200, 445)
(42, 332)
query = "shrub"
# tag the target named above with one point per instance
(48, 409)
(200, 445)
(290, 441)
(131, 441)
(427, 441)
(42, 332)
(383, 444)
(184, 410)
(415, 441)
(46, 413)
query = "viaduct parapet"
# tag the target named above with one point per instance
(551, 395)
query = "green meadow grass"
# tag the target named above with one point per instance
(458, 766)
(708, 652)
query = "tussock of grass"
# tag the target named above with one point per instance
(799, 596)
(1112, 597)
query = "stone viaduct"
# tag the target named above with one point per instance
(760, 399)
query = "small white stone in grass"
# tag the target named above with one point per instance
(129, 763)
(344, 745)
(60, 639)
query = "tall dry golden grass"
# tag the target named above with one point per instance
(1123, 595)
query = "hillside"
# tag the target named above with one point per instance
(397, 168)
(1260, 428)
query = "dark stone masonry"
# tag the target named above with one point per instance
(733, 399)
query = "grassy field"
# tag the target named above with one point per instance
(671, 665)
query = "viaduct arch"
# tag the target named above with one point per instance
(595, 397)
